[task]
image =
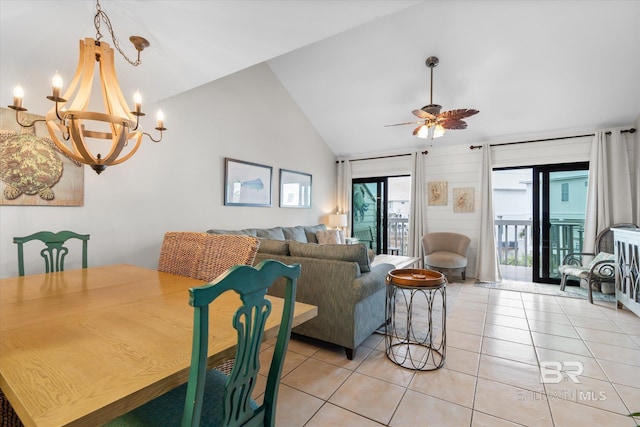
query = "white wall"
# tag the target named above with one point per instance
(177, 184)
(461, 167)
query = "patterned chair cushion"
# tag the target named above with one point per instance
(583, 271)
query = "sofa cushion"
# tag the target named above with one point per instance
(275, 247)
(310, 231)
(295, 233)
(329, 237)
(274, 233)
(353, 253)
(246, 231)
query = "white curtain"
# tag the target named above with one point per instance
(487, 267)
(418, 212)
(609, 198)
(344, 192)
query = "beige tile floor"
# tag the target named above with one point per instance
(496, 343)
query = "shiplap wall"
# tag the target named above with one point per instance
(461, 167)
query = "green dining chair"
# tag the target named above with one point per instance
(210, 398)
(54, 252)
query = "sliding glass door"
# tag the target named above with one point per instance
(540, 213)
(380, 209)
(558, 217)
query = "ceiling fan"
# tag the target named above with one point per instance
(433, 123)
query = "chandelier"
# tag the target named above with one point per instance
(73, 128)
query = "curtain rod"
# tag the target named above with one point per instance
(381, 157)
(471, 147)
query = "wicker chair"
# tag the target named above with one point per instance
(205, 256)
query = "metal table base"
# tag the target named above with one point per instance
(415, 339)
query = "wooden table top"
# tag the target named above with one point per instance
(81, 347)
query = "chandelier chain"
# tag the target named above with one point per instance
(101, 15)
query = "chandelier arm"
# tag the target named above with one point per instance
(152, 138)
(26, 124)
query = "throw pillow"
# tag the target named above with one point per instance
(310, 231)
(274, 233)
(295, 233)
(328, 237)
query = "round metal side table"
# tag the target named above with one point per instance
(416, 311)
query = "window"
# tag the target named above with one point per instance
(565, 192)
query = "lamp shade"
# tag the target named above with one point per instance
(337, 220)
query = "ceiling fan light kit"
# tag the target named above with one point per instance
(433, 124)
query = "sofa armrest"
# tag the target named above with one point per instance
(369, 283)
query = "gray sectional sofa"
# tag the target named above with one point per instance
(338, 279)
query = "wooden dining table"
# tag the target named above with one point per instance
(81, 347)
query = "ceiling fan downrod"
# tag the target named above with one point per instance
(432, 108)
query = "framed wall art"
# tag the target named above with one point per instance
(438, 193)
(246, 183)
(295, 189)
(463, 199)
(33, 171)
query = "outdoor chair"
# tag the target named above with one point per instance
(600, 269)
(54, 252)
(446, 252)
(364, 235)
(211, 398)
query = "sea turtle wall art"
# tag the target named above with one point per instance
(33, 171)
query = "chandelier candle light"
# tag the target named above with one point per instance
(69, 121)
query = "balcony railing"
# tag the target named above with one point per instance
(398, 238)
(514, 240)
(515, 244)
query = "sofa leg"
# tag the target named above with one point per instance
(350, 352)
(464, 274)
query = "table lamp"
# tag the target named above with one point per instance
(337, 220)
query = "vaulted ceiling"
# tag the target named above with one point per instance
(532, 68)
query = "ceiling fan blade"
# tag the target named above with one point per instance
(415, 131)
(457, 114)
(405, 123)
(453, 124)
(423, 114)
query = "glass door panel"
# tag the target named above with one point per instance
(559, 216)
(368, 212)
